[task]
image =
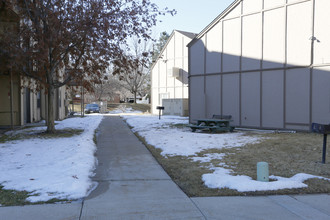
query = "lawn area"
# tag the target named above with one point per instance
(144, 108)
(123, 106)
(37, 167)
(224, 164)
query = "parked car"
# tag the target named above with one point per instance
(92, 108)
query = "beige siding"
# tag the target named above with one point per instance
(297, 96)
(274, 38)
(250, 99)
(322, 32)
(197, 98)
(273, 3)
(250, 6)
(212, 96)
(252, 42)
(214, 49)
(236, 12)
(197, 52)
(231, 96)
(5, 114)
(321, 93)
(25, 101)
(299, 32)
(232, 45)
(273, 99)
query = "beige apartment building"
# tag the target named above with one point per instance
(20, 105)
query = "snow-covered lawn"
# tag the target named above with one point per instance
(173, 141)
(51, 168)
(62, 167)
(170, 135)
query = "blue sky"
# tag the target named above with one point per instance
(192, 15)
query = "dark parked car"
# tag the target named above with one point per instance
(92, 108)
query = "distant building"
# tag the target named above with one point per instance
(266, 63)
(169, 75)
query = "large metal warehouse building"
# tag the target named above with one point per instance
(169, 75)
(266, 63)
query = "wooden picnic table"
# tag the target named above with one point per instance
(212, 125)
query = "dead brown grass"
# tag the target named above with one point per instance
(286, 153)
(135, 106)
(76, 107)
(62, 133)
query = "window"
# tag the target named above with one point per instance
(38, 100)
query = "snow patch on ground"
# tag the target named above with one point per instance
(51, 168)
(222, 178)
(166, 135)
(171, 135)
(208, 157)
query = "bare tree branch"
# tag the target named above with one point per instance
(84, 36)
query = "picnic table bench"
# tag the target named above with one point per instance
(214, 125)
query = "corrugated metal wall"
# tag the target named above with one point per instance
(266, 63)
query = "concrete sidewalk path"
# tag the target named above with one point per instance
(132, 185)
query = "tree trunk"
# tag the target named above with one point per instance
(134, 97)
(50, 116)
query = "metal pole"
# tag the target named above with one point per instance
(324, 147)
(72, 100)
(11, 102)
(83, 101)
(46, 106)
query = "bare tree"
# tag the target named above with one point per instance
(99, 89)
(107, 89)
(133, 70)
(78, 37)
